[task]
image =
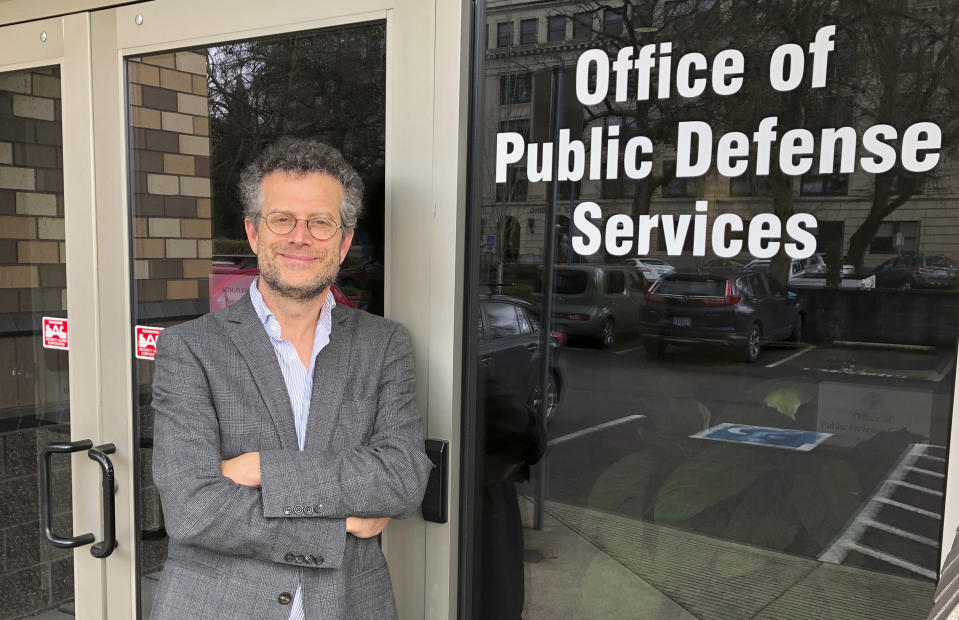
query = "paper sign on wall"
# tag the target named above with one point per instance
(146, 341)
(856, 412)
(55, 333)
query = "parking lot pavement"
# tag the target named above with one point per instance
(852, 360)
(583, 556)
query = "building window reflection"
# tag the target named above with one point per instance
(528, 31)
(504, 34)
(557, 28)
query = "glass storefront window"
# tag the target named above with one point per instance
(759, 427)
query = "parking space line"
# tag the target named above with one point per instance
(903, 533)
(925, 513)
(891, 559)
(629, 350)
(936, 377)
(594, 429)
(793, 356)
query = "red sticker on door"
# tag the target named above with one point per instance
(55, 333)
(146, 341)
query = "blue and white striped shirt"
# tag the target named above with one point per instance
(298, 379)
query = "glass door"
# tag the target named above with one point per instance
(51, 518)
(182, 104)
(195, 118)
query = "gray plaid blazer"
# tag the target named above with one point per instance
(238, 552)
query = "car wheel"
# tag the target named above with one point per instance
(552, 398)
(607, 333)
(654, 347)
(797, 333)
(753, 345)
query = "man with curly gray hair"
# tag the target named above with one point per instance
(321, 170)
(286, 430)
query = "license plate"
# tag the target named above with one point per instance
(681, 321)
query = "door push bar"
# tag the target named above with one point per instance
(107, 492)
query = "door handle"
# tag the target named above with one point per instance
(486, 359)
(108, 490)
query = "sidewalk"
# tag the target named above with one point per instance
(589, 564)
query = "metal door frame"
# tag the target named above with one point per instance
(65, 41)
(427, 47)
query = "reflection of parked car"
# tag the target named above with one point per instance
(598, 301)
(722, 264)
(797, 266)
(916, 271)
(509, 349)
(740, 311)
(816, 267)
(652, 268)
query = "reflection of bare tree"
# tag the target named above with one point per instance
(328, 85)
(893, 63)
(499, 213)
(906, 73)
(689, 25)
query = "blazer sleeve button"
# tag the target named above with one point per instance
(284, 598)
(318, 507)
(288, 511)
(317, 559)
(308, 509)
(288, 557)
(300, 559)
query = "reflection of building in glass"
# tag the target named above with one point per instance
(867, 216)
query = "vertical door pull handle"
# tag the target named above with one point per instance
(98, 454)
(108, 489)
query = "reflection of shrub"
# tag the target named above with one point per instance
(777, 499)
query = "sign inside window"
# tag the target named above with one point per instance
(653, 74)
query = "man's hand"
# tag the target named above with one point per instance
(365, 528)
(244, 469)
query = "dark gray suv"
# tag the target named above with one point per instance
(740, 311)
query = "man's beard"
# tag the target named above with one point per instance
(271, 274)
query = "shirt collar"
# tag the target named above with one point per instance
(269, 321)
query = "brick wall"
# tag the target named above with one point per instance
(32, 272)
(172, 225)
(171, 183)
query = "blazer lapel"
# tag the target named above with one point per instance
(330, 375)
(251, 339)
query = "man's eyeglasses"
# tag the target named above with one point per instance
(283, 224)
